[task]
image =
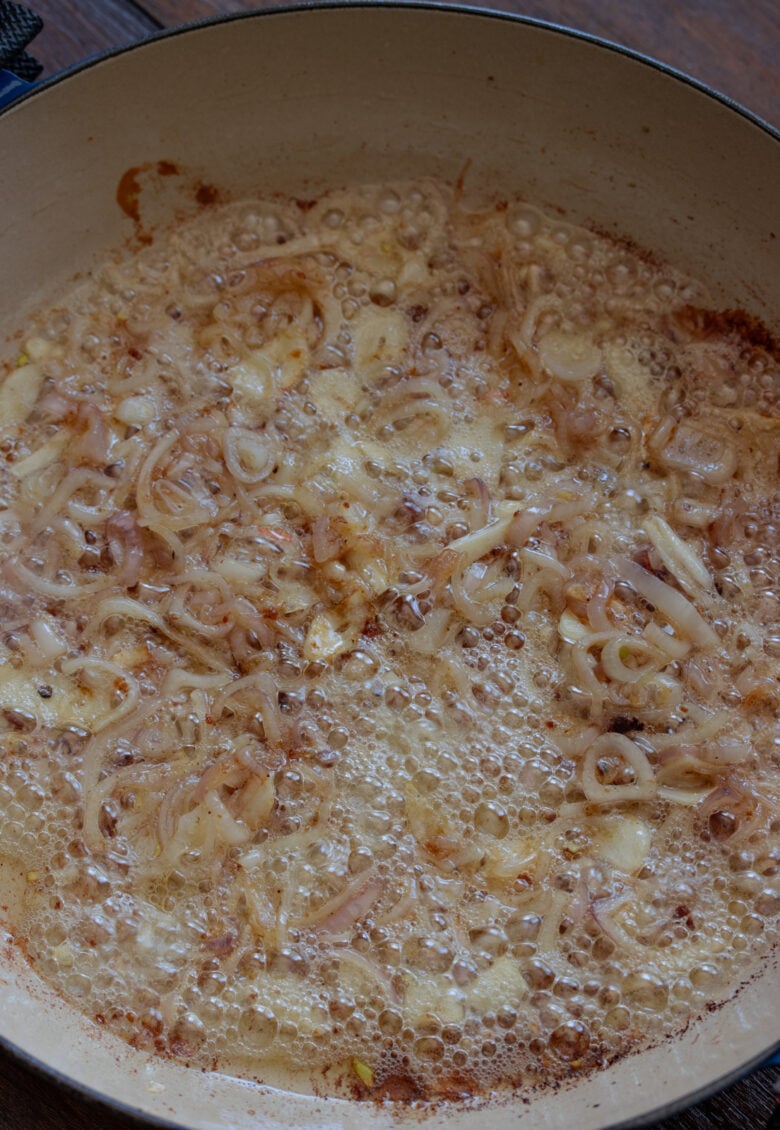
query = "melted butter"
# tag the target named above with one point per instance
(67, 705)
(348, 823)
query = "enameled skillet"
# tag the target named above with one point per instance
(296, 100)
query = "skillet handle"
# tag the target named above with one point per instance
(18, 26)
(11, 87)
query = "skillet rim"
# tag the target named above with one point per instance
(295, 6)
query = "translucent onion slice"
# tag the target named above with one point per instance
(695, 732)
(687, 798)
(119, 680)
(691, 512)
(548, 939)
(472, 610)
(727, 751)
(677, 555)
(697, 453)
(55, 590)
(379, 338)
(41, 458)
(571, 358)
(430, 639)
(643, 786)
(47, 638)
(263, 694)
(524, 337)
(605, 912)
(571, 629)
(248, 455)
(615, 653)
(672, 647)
(341, 912)
(544, 561)
(670, 603)
(475, 545)
(524, 523)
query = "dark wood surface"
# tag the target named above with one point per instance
(733, 45)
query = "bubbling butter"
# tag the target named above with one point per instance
(388, 684)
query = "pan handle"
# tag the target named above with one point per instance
(12, 87)
(18, 27)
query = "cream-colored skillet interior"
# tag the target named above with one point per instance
(389, 680)
(618, 208)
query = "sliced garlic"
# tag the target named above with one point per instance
(18, 394)
(326, 639)
(379, 337)
(571, 629)
(428, 998)
(334, 393)
(253, 384)
(622, 840)
(571, 358)
(136, 410)
(497, 986)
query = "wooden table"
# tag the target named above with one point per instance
(734, 46)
